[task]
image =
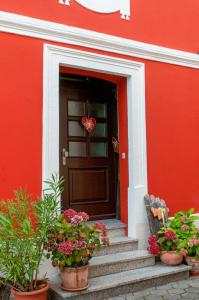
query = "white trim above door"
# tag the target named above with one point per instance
(54, 57)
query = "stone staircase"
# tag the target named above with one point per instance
(120, 269)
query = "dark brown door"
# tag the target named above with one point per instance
(87, 161)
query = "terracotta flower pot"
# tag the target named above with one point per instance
(74, 279)
(171, 258)
(194, 263)
(5, 292)
(40, 294)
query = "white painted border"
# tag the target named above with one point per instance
(54, 56)
(55, 32)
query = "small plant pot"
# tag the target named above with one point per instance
(74, 279)
(171, 258)
(40, 294)
(5, 292)
(194, 264)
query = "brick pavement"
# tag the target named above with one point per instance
(181, 290)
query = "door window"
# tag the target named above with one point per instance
(80, 142)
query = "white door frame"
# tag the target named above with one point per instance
(56, 56)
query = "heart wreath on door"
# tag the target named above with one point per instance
(89, 124)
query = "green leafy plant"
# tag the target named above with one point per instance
(73, 240)
(183, 224)
(24, 228)
(185, 228)
(180, 234)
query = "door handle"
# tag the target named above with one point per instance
(64, 156)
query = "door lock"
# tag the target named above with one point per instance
(64, 156)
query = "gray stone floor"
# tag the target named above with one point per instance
(186, 290)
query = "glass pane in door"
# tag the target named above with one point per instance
(76, 108)
(100, 130)
(77, 149)
(98, 110)
(75, 128)
(98, 149)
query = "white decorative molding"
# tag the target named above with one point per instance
(54, 57)
(105, 6)
(50, 31)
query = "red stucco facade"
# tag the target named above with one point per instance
(172, 106)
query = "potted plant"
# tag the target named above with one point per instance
(4, 290)
(71, 245)
(185, 227)
(192, 257)
(166, 246)
(183, 224)
(177, 238)
(24, 227)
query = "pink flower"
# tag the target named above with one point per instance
(190, 243)
(69, 214)
(154, 249)
(169, 235)
(100, 225)
(184, 227)
(66, 248)
(195, 241)
(152, 239)
(76, 220)
(183, 219)
(84, 216)
(80, 245)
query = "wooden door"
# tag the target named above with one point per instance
(87, 161)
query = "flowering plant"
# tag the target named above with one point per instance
(192, 246)
(179, 234)
(73, 240)
(167, 241)
(183, 224)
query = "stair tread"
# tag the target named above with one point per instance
(122, 278)
(119, 257)
(111, 223)
(121, 239)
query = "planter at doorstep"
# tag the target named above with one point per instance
(194, 264)
(40, 294)
(5, 292)
(74, 279)
(171, 258)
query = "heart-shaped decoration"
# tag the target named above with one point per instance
(89, 124)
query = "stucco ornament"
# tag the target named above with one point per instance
(105, 6)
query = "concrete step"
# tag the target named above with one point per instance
(111, 285)
(115, 227)
(117, 245)
(119, 262)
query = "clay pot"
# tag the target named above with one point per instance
(5, 292)
(171, 258)
(40, 294)
(194, 263)
(74, 279)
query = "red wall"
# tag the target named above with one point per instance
(20, 114)
(172, 134)
(168, 23)
(172, 110)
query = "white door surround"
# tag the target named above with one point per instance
(54, 57)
